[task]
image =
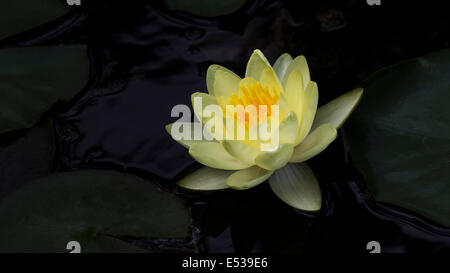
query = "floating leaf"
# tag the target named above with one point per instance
(399, 135)
(17, 16)
(34, 78)
(88, 207)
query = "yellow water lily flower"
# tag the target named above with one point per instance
(302, 130)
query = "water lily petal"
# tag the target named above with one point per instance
(205, 179)
(248, 178)
(281, 65)
(294, 92)
(210, 75)
(230, 128)
(254, 134)
(187, 142)
(260, 69)
(214, 155)
(273, 160)
(225, 83)
(210, 120)
(297, 186)
(269, 78)
(241, 150)
(338, 110)
(309, 108)
(206, 100)
(299, 63)
(256, 64)
(247, 81)
(288, 129)
(314, 143)
(284, 107)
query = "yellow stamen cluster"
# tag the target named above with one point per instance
(257, 95)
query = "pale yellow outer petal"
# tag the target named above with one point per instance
(248, 178)
(225, 83)
(294, 93)
(205, 179)
(339, 109)
(284, 107)
(260, 69)
(232, 132)
(288, 129)
(269, 78)
(241, 150)
(281, 65)
(311, 98)
(248, 80)
(299, 63)
(273, 160)
(296, 185)
(256, 64)
(256, 131)
(214, 155)
(201, 112)
(187, 142)
(211, 73)
(314, 143)
(206, 100)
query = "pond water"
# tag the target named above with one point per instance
(146, 58)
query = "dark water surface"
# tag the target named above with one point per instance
(147, 58)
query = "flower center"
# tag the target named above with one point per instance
(257, 95)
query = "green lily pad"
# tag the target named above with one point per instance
(205, 8)
(33, 79)
(91, 207)
(20, 15)
(399, 136)
(26, 155)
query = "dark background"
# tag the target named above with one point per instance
(146, 58)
